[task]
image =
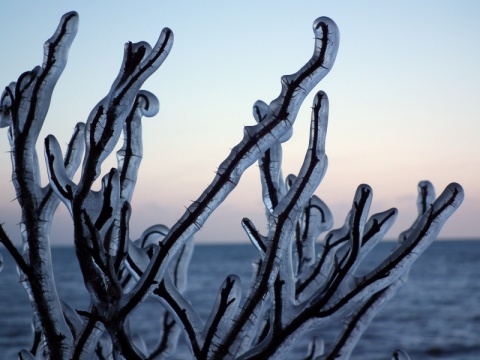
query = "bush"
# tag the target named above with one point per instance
(293, 288)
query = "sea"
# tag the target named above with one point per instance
(435, 315)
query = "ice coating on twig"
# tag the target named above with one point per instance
(223, 314)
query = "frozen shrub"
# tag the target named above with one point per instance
(293, 290)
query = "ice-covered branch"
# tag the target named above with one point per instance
(359, 322)
(282, 224)
(277, 121)
(101, 232)
(344, 292)
(23, 108)
(361, 319)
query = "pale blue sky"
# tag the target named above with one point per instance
(403, 98)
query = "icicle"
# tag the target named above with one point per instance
(25, 355)
(316, 347)
(255, 237)
(400, 354)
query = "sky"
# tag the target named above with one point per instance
(403, 100)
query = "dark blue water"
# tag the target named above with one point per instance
(436, 315)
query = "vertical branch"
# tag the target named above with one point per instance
(282, 223)
(316, 219)
(24, 106)
(170, 329)
(101, 218)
